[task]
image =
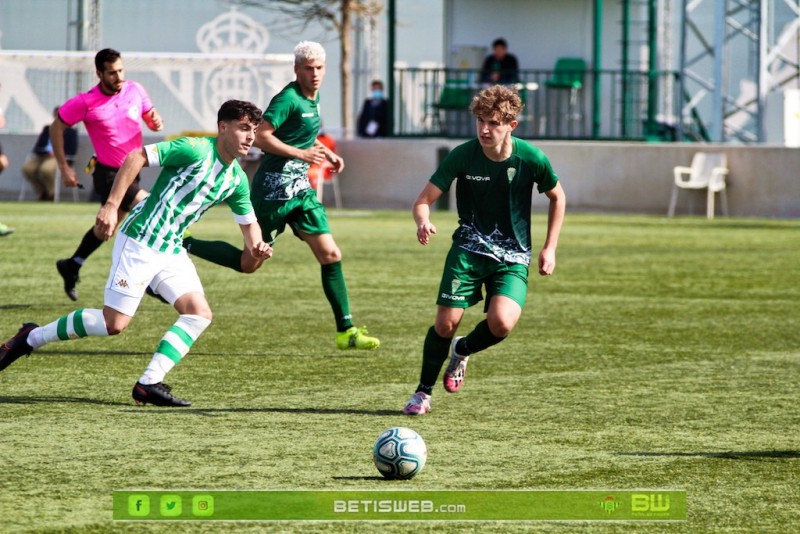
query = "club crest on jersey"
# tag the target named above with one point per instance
(133, 112)
(511, 172)
(454, 285)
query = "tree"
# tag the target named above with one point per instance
(333, 15)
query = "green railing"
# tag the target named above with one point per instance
(601, 105)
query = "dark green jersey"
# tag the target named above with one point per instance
(297, 121)
(494, 198)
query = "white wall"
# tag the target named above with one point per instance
(597, 177)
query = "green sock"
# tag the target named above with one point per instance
(335, 289)
(435, 351)
(481, 338)
(219, 252)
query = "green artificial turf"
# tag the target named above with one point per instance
(661, 354)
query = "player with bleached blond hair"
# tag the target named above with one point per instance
(496, 174)
(282, 193)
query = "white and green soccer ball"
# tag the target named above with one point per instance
(399, 453)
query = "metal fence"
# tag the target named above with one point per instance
(605, 105)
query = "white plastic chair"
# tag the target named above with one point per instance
(708, 171)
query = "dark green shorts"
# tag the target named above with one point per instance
(303, 213)
(465, 274)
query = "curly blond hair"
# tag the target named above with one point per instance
(497, 99)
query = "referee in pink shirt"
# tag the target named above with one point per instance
(111, 112)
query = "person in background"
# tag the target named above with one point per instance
(374, 116)
(40, 168)
(500, 66)
(112, 112)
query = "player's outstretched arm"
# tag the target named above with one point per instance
(422, 212)
(555, 218)
(107, 217)
(153, 120)
(68, 175)
(335, 159)
(254, 241)
(268, 142)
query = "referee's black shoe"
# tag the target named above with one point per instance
(17, 346)
(156, 394)
(68, 270)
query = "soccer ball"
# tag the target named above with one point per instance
(399, 453)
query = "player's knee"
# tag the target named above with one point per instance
(329, 256)
(500, 326)
(446, 329)
(114, 328)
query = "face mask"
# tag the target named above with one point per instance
(377, 94)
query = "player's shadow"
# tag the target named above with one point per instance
(57, 400)
(727, 455)
(211, 412)
(363, 478)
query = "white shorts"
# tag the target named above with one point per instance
(135, 266)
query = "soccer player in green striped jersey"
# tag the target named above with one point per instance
(282, 193)
(496, 174)
(197, 173)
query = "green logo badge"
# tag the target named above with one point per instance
(203, 505)
(454, 285)
(138, 505)
(511, 172)
(609, 504)
(171, 505)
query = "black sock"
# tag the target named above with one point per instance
(89, 244)
(481, 338)
(434, 353)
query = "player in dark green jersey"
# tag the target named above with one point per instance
(282, 194)
(496, 174)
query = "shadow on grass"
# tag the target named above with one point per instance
(56, 400)
(14, 306)
(362, 478)
(314, 411)
(729, 455)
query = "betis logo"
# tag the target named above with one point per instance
(511, 172)
(454, 285)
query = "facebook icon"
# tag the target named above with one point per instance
(138, 505)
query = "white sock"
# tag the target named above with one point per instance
(82, 322)
(173, 347)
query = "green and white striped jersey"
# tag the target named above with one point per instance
(193, 179)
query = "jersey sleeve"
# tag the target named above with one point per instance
(239, 201)
(178, 152)
(544, 176)
(449, 168)
(73, 110)
(279, 109)
(147, 104)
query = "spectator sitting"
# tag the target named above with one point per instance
(40, 168)
(500, 67)
(373, 118)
